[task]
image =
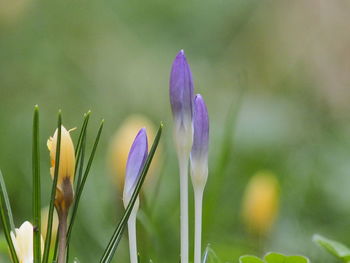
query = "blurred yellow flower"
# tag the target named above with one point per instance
(23, 242)
(261, 202)
(44, 218)
(121, 143)
(66, 170)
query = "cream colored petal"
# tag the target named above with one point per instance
(67, 156)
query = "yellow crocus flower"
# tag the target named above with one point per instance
(64, 194)
(260, 203)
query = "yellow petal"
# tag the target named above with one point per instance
(260, 203)
(67, 157)
(121, 144)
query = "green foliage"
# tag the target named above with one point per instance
(36, 187)
(336, 248)
(53, 192)
(6, 217)
(273, 258)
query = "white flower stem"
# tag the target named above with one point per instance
(183, 164)
(198, 199)
(132, 236)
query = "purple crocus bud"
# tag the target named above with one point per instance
(181, 98)
(136, 160)
(199, 153)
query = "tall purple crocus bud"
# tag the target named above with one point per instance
(199, 167)
(199, 153)
(181, 99)
(136, 160)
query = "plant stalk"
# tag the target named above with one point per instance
(183, 165)
(62, 232)
(132, 236)
(198, 199)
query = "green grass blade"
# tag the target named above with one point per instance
(36, 188)
(53, 192)
(81, 162)
(114, 241)
(82, 134)
(82, 183)
(6, 218)
(55, 251)
(83, 130)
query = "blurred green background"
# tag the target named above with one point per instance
(274, 74)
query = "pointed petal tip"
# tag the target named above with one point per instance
(181, 54)
(198, 96)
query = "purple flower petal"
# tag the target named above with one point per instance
(200, 129)
(136, 160)
(181, 90)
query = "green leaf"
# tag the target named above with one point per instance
(114, 241)
(279, 258)
(6, 218)
(36, 188)
(250, 259)
(336, 248)
(82, 183)
(53, 192)
(79, 150)
(273, 258)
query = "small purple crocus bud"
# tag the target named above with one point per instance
(136, 160)
(199, 153)
(181, 99)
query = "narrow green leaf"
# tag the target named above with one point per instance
(53, 192)
(114, 241)
(82, 131)
(335, 248)
(82, 134)
(6, 218)
(82, 183)
(36, 188)
(80, 162)
(55, 251)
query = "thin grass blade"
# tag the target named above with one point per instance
(36, 188)
(82, 134)
(114, 241)
(82, 183)
(78, 183)
(6, 218)
(81, 162)
(53, 192)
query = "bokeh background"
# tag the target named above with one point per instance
(274, 74)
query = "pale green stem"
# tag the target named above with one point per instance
(183, 164)
(132, 236)
(198, 199)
